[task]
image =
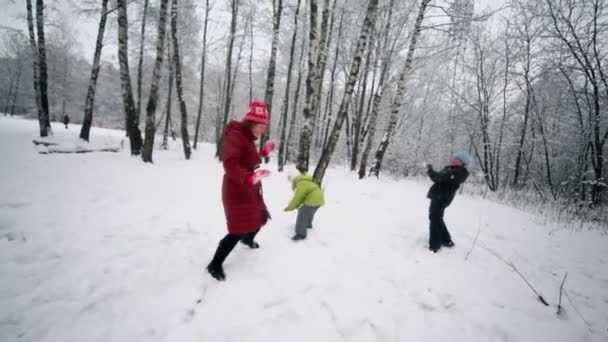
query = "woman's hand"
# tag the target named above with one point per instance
(268, 148)
(258, 176)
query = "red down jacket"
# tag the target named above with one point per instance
(243, 202)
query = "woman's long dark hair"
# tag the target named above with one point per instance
(248, 124)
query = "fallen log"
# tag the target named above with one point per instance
(44, 143)
(86, 150)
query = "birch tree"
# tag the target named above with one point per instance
(227, 94)
(125, 79)
(308, 115)
(397, 101)
(90, 99)
(201, 94)
(272, 64)
(178, 83)
(151, 107)
(285, 105)
(368, 24)
(170, 79)
(388, 51)
(140, 63)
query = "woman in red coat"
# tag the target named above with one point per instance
(244, 205)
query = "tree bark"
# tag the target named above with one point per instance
(45, 123)
(16, 91)
(524, 128)
(125, 79)
(90, 99)
(324, 43)
(294, 107)
(387, 54)
(140, 63)
(251, 52)
(151, 107)
(368, 23)
(35, 73)
(178, 83)
(285, 105)
(165, 145)
(357, 124)
(9, 95)
(228, 77)
(272, 64)
(201, 92)
(307, 129)
(329, 104)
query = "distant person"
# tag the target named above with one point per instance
(441, 194)
(244, 205)
(308, 198)
(66, 120)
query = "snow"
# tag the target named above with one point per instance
(102, 247)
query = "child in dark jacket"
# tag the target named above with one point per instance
(441, 194)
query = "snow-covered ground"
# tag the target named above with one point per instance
(102, 247)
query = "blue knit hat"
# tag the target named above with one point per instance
(463, 156)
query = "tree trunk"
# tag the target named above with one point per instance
(359, 115)
(498, 149)
(221, 89)
(228, 78)
(235, 72)
(329, 106)
(16, 91)
(178, 82)
(34, 47)
(348, 136)
(201, 92)
(151, 107)
(11, 85)
(368, 24)
(64, 85)
(285, 106)
(125, 79)
(90, 99)
(140, 63)
(322, 124)
(272, 64)
(52, 89)
(251, 51)
(296, 102)
(379, 93)
(547, 156)
(397, 101)
(165, 145)
(320, 63)
(522, 138)
(45, 124)
(307, 129)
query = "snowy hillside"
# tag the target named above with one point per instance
(102, 247)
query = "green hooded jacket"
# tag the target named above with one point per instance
(307, 192)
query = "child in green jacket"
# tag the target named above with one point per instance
(308, 198)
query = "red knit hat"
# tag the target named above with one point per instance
(257, 113)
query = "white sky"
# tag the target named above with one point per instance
(12, 14)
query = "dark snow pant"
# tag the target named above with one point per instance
(439, 234)
(304, 220)
(227, 244)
